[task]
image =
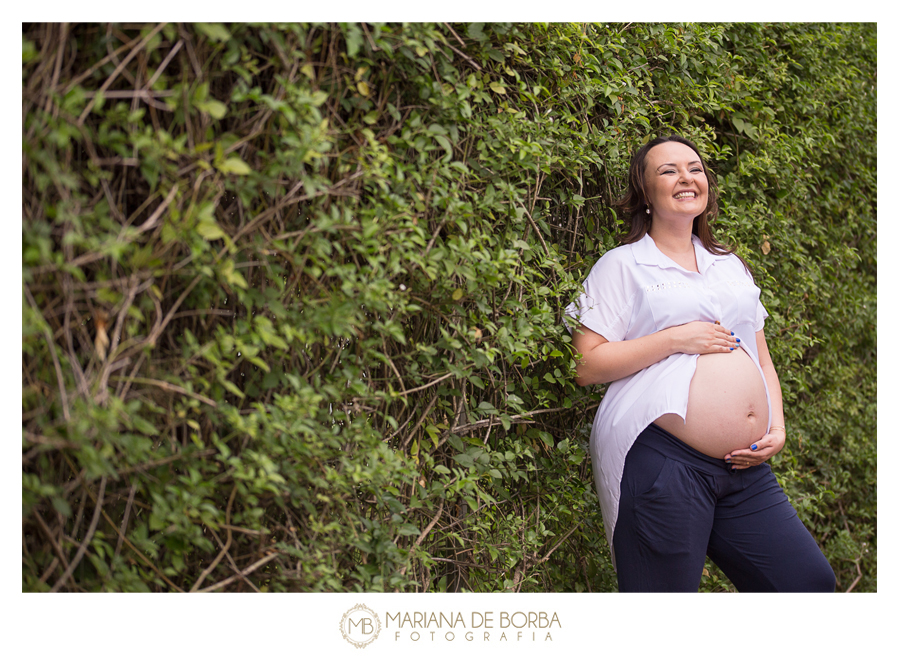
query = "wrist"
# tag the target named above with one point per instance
(776, 428)
(671, 344)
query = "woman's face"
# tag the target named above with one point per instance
(675, 182)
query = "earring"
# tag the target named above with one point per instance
(648, 210)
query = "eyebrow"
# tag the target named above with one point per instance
(672, 164)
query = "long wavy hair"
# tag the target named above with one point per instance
(634, 202)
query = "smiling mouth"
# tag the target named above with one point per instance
(686, 195)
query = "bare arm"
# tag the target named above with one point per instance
(604, 361)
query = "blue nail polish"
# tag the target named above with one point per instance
(738, 340)
(732, 333)
(728, 459)
(753, 447)
(731, 348)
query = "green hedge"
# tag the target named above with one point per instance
(292, 294)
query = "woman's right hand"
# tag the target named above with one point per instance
(703, 338)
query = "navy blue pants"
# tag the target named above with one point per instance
(678, 505)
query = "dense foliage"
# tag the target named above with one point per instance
(292, 294)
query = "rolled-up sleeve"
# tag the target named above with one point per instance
(605, 306)
(761, 316)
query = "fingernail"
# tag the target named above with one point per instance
(738, 340)
(732, 333)
(753, 447)
(728, 459)
(731, 348)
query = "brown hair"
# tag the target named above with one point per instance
(634, 202)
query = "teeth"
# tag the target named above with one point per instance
(682, 195)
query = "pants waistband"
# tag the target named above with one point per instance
(669, 445)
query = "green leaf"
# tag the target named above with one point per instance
(215, 109)
(445, 144)
(210, 230)
(214, 31)
(234, 166)
(260, 363)
(29, 52)
(144, 426)
(475, 31)
(232, 276)
(61, 506)
(232, 387)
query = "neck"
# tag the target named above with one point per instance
(672, 239)
(675, 243)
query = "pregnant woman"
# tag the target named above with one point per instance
(680, 442)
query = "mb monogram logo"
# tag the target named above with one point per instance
(360, 626)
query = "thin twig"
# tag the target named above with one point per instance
(464, 56)
(225, 548)
(167, 460)
(858, 578)
(253, 567)
(231, 561)
(157, 330)
(536, 230)
(118, 70)
(424, 386)
(47, 441)
(143, 557)
(124, 523)
(64, 28)
(557, 545)
(130, 93)
(166, 386)
(87, 538)
(51, 347)
(124, 538)
(453, 32)
(496, 421)
(151, 221)
(79, 78)
(56, 547)
(422, 418)
(424, 534)
(50, 569)
(165, 63)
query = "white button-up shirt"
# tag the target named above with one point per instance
(635, 290)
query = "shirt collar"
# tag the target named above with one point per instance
(647, 253)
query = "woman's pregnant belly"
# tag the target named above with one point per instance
(727, 407)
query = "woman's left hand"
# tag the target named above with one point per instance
(759, 452)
